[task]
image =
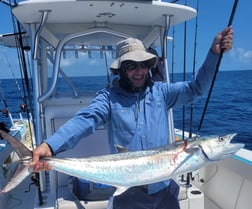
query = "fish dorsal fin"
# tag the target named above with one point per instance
(121, 149)
(22, 171)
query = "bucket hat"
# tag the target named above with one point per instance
(132, 49)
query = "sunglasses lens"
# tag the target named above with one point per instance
(143, 65)
(130, 65)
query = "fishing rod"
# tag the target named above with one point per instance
(184, 75)
(4, 102)
(5, 111)
(217, 68)
(6, 3)
(26, 85)
(193, 71)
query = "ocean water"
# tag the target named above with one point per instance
(229, 109)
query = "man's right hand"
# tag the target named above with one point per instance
(38, 165)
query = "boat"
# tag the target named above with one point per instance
(52, 30)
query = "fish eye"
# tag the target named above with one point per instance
(220, 139)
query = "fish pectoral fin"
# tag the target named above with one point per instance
(120, 190)
(192, 150)
(179, 167)
(121, 149)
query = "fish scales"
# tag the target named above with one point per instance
(124, 170)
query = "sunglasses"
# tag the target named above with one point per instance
(131, 65)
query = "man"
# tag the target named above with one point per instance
(134, 111)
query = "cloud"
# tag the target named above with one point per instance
(242, 55)
(66, 62)
(82, 59)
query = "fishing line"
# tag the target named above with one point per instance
(217, 68)
(12, 72)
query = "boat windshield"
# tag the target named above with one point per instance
(82, 73)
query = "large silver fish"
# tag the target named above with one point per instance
(128, 169)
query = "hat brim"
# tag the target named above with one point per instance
(137, 56)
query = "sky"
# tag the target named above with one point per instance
(213, 16)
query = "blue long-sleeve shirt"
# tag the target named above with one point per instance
(135, 121)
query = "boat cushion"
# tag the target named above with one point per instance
(225, 189)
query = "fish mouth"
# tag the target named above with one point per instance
(230, 148)
(223, 149)
(233, 148)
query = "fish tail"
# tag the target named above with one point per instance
(21, 150)
(20, 174)
(23, 169)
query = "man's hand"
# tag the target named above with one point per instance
(42, 150)
(223, 41)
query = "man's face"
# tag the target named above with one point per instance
(136, 71)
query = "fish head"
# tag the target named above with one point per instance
(219, 147)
